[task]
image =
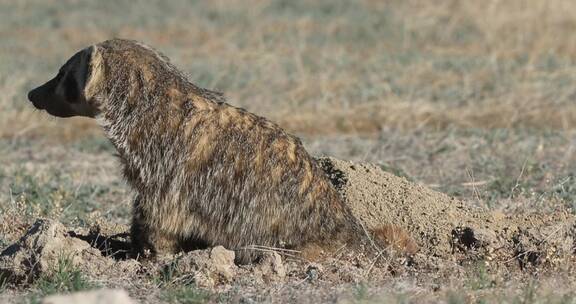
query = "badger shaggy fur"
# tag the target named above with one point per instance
(206, 173)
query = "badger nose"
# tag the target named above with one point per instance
(31, 95)
(35, 94)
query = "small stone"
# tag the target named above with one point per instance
(313, 271)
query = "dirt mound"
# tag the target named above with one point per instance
(448, 228)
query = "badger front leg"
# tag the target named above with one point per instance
(147, 240)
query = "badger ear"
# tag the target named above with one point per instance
(94, 71)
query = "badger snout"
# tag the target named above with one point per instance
(34, 96)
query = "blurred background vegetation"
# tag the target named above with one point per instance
(320, 67)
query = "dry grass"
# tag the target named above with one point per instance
(405, 115)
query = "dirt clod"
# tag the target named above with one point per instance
(40, 250)
(222, 261)
(271, 267)
(205, 268)
(46, 244)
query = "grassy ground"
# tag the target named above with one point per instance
(472, 98)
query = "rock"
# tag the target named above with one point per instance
(41, 249)
(102, 296)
